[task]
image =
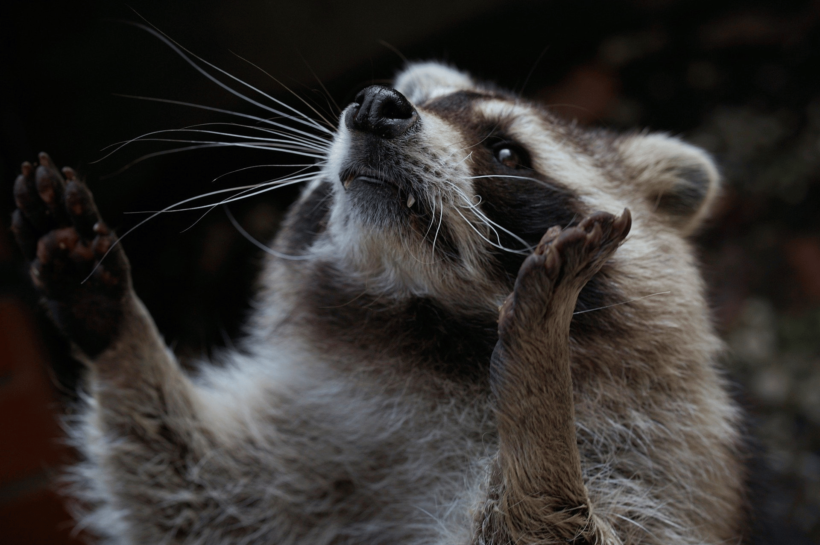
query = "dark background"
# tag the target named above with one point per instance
(736, 77)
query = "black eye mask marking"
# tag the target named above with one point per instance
(423, 330)
(527, 203)
(509, 154)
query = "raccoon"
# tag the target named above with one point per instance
(480, 325)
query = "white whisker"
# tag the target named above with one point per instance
(261, 146)
(173, 206)
(270, 184)
(258, 244)
(488, 240)
(432, 219)
(181, 51)
(238, 197)
(290, 139)
(156, 154)
(302, 100)
(246, 193)
(440, 221)
(483, 217)
(536, 180)
(318, 139)
(622, 303)
(304, 165)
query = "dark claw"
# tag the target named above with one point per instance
(45, 160)
(69, 173)
(100, 228)
(50, 187)
(624, 223)
(81, 209)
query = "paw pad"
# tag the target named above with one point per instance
(59, 230)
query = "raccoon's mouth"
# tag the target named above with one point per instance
(356, 176)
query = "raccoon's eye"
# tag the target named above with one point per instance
(511, 156)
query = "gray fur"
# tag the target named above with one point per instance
(308, 436)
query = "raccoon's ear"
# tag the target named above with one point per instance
(680, 181)
(420, 81)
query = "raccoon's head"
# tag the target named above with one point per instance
(440, 186)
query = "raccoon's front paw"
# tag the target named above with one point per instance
(562, 263)
(60, 232)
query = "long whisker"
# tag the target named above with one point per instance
(327, 108)
(238, 197)
(463, 196)
(314, 140)
(270, 144)
(440, 221)
(289, 90)
(288, 144)
(622, 303)
(320, 141)
(482, 216)
(288, 138)
(319, 80)
(283, 138)
(149, 218)
(500, 247)
(261, 146)
(304, 166)
(314, 137)
(258, 244)
(242, 190)
(432, 219)
(174, 206)
(181, 51)
(475, 144)
(395, 50)
(536, 180)
(157, 154)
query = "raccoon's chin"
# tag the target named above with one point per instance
(378, 199)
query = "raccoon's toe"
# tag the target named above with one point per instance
(59, 230)
(580, 252)
(559, 267)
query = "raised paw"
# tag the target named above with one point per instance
(577, 253)
(59, 230)
(550, 279)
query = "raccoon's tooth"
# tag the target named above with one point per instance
(411, 200)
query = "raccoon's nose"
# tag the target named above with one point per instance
(381, 111)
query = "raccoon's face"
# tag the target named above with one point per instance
(441, 182)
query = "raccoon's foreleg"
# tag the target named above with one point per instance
(145, 409)
(537, 494)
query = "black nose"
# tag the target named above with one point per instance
(381, 111)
